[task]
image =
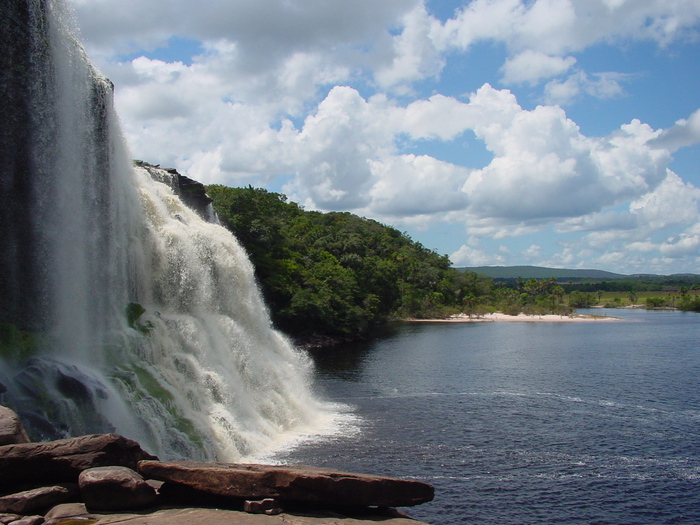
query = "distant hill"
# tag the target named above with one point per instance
(540, 272)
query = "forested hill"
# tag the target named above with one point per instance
(541, 272)
(587, 280)
(330, 277)
(336, 275)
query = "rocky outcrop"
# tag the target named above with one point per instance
(66, 510)
(89, 479)
(307, 485)
(39, 499)
(213, 516)
(63, 460)
(11, 429)
(190, 191)
(114, 488)
(269, 506)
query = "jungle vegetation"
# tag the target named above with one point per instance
(337, 275)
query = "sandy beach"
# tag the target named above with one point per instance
(522, 318)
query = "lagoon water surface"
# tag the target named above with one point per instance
(526, 423)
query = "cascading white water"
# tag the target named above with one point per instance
(207, 355)
(149, 322)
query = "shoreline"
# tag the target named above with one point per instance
(521, 318)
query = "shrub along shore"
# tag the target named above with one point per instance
(521, 318)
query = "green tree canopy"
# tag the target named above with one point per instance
(335, 273)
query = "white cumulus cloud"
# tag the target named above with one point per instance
(468, 256)
(532, 66)
(544, 167)
(322, 96)
(686, 132)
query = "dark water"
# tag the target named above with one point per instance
(524, 423)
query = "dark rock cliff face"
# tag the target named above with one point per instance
(191, 192)
(36, 175)
(32, 163)
(23, 52)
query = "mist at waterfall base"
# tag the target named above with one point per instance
(122, 309)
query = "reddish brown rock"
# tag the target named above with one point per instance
(38, 500)
(213, 516)
(11, 429)
(66, 510)
(29, 520)
(268, 506)
(290, 483)
(114, 488)
(65, 459)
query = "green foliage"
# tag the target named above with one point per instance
(656, 302)
(689, 304)
(134, 311)
(18, 344)
(145, 384)
(616, 303)
(579, 299)
(540, 272)
(590, 280)
(634, 284)
(339, 275)
(336, 273)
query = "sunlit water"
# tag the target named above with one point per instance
(523, 423)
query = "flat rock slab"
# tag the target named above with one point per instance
(228, 517)
(29, 520)
(66, 510)
(307, 485)
(65, 459)
(39, 499)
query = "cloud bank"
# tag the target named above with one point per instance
(326, 100)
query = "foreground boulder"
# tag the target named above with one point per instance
(11, 429)
(114, 488)
(37, 500)
(66, 510)
(307, 485)
(36, 476)
(65, 459)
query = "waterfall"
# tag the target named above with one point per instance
(122, 310)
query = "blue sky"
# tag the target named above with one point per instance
(561, 133)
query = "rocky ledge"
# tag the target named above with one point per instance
(107, 478)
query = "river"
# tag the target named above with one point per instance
(525, 423)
